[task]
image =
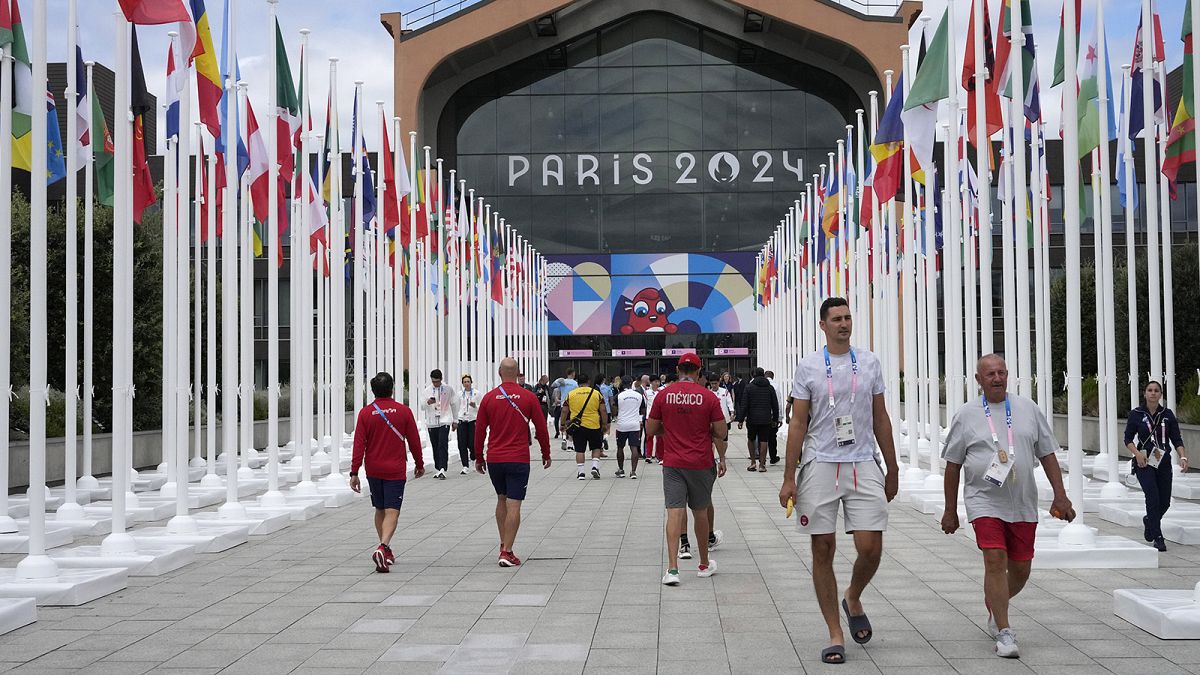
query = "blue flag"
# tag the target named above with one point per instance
(56, 164)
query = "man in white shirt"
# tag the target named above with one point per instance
(839, 409)
(440, 405)
(631, 416)
(653, 444)
(468, 409)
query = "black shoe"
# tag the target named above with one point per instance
(774, 460)
(595, 473)
(1160, 544)
(1146, 528)
(620, 473)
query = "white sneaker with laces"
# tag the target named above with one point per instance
(671, 578)
(463, 472)
(717, 537)
(1006, 644)
(708, 570)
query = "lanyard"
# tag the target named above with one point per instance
(513, 403)
(1157, 439)
(987, 412)
(853, 376)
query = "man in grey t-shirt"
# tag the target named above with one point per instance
(994, 441)
(839, 408)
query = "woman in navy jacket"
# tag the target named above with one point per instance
(1156, 431)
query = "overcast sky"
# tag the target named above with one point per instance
(350, 30)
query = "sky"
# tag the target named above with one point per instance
(350, 31)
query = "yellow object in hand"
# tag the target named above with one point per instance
(790, 506)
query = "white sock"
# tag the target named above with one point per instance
(580, 467)
(595, 463)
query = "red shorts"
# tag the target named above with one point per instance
(1015, 538)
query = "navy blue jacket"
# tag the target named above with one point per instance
(1163, 422)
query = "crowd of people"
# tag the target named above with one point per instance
(840, 458)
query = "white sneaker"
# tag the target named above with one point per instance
(463, 472)
(671, 578)
(685, 552)
(717, 537)
(992, 629)
(708, 570)
(1006, 644)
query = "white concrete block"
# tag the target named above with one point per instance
(1165, 614)
(69, 588)
(210, 538)
(151, 560)
(1108, 552)
(16, 612)
(18, 542)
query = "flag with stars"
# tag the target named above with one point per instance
(56, 159)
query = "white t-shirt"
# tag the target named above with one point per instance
(468, 404)
(726, 400)
(810, 384)
(969, 443)
(629, 410)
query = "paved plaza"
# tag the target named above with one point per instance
(588, 597)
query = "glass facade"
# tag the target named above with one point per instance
(648, 135)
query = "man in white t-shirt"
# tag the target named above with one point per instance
(838, 407)
(631, 416)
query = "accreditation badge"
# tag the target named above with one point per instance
(845, 430)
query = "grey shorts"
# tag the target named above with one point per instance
(691, 488)
(856, 486)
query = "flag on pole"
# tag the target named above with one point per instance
(140, 104)
(498, 254)
(56, 167)
(1181, 143)
(83, 110)
(991, 94)
(6, 24)
(208, 75)
(831, 221)
(102, 152)
(1089, 96)
(1059, 59)
(391, 200)
(1004, 60)
(1136, 121)
(158, 12)
(230, 128)
(174, 85)
(22, 112)
(318, 219)
(930, 86)
(260, 180)
(287, 110)
(887, 150)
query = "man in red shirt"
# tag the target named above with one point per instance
(689, 418)
(507, 411)
(381, 432)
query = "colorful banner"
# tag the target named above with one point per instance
(669, 293)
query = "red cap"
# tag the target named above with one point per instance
(689, 359)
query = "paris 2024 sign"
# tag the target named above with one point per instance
(668, 293)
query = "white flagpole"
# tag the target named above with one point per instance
(198, 312)
(182, 522)
(1151, 196)
(412, 332)
(246, 304)
(1075, 533)
(118, 542)
(211, 479)
(300, 343)
(438, 276)
(337, 303)
(7, 524)
(1107, 323)
(398, 302)
(909, 291)
(1167, 263)
(274, 250)
(1043, 375)
(86, 481)
(454, 368)
(170, 209)
(70, 509)
(983, 154)
(358, 236)
(1131, 297)
(231, 509)
(1019, 281)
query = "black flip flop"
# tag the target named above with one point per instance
(833, 654)
(858, 624)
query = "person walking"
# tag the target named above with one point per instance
(773, 438)
(608, 394)
(468, 410)
(840, 411)
(688, 416)
(586, 420)
(1156, 432)
(996, 465)
(707, 380)
(441, 414)
(502, 451)
(631, 416)
(564, 386)
(385, 433)
(653, 444)
(542, 391)
(726, 400)
(759, 411)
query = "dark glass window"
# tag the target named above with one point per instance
(650, 134)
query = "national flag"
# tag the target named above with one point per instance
(6, 24)
(83, 109)
(158, 12)
(887, 150)
(391, 200)
(1059, 58)
(1136, 120)
(231, 128)
(498, 254)
(831, 221)
(930, 86)
(56, 167)
(287, 110)
(1004, 60)
(318, 224)
(991, 92)
(174, 84)
(141, 103)
(102, 153)
(260, 185)
(208, 75)
(1181, 142)
(1089, 96)
(22, 113)
(364, 173)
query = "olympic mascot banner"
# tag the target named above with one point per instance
(670, 293)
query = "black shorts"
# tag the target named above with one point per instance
(585, 438)
(632, 438)
(762, 433)
(509, 478)
(386, 494)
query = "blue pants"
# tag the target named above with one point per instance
(439, 438)
(1156, 486)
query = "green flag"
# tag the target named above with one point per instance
(1060, 61)
(1181, 142)
(1089, 97)
(102, 153)
(22, 115)
(932, 82)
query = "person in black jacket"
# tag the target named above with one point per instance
(758, 409)
(1156, 431)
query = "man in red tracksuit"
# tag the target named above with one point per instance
(384, 428)
(506, 411)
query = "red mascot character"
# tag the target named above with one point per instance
(648, 313)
